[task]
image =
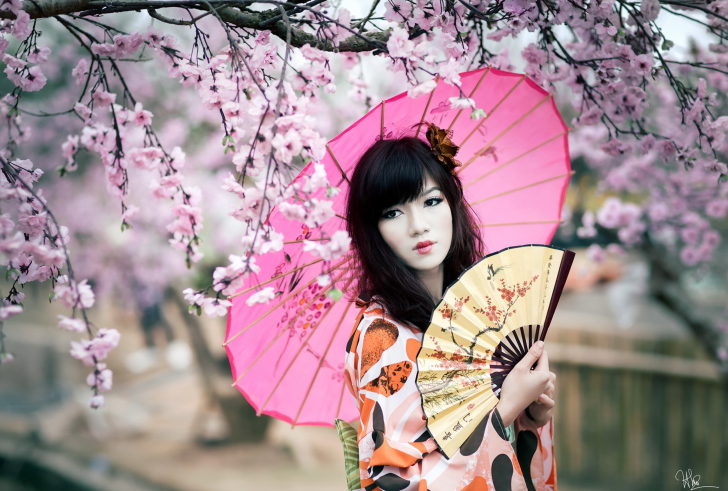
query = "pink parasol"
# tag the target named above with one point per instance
(287, 357)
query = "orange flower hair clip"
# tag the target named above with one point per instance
(445, 150)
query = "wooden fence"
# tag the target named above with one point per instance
(632, 414)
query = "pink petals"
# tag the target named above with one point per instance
(89, 352)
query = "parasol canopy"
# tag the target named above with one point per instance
(287, 356)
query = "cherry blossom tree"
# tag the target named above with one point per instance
(647, 122)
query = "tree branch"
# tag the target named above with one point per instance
(666, 289)
(231, 14)
(293, 11)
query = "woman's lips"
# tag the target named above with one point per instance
(424, 247)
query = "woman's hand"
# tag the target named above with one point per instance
(523, 386)
(542, 409)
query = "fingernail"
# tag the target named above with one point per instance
(539, 344)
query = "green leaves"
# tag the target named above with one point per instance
(477, 114)
(229, 143)
(334, 293)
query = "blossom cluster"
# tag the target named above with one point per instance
(23, 70)
(33, 246)
(281, 115)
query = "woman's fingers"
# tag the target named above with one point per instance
(531, 356)
(549, 390)
(543, 362)
(546, 401)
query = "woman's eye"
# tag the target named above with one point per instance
(387, 215)
(433, 201)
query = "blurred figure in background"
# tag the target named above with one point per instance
(178, 355)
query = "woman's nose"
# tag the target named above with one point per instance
(418, 223)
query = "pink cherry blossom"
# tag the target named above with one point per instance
(461, 103)
(153, 37)
(39, 55)
(103, 98)
(13, 62)
(171, 181)
(96, 401)
(642, 64)
(106, 340)
(717, 208)
(8, 311)
(103, 49)
(131, 212)
(287, 146)
(399, 44)
(341, 33)
(334, 248)
(323, 280)
(319, 213)
(80, 351)
(216, 307)
(517, 7)
(650, 9)
(70, 147)
(262, 296)
(78, 295)
(13, 6)
(609, 215)
(422, 89)
(101, 378)
(292, 211)
(127, 44)
(689, 255)
(397, 11)
(450, 72)
(21, 27)
(80, 71)
(147, 158)
(313, 54)
(82, 110)
(595, 253)
(141, 117)
(71, 324)
(316, 180)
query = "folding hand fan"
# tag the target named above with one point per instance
(485, 323)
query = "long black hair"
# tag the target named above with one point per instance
(391, 172)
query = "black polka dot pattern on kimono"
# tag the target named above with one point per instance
(502, 470)
(392, 482)
(378, 426)
(472, 443)
(526, 445)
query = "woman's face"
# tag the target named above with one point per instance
(420, 231)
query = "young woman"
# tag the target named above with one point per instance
(414, 234)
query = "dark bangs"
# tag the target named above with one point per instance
(389, 173)
(397, 173)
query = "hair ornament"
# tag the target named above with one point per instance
(445, 150)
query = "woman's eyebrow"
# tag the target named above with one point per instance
(431, 190)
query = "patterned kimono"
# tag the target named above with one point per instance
(397, 453)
